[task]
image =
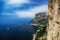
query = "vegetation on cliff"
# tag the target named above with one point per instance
(39, 23)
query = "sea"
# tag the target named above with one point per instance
(16, 32)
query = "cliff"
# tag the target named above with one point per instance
(39, 23)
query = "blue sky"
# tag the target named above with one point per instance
(18, 10)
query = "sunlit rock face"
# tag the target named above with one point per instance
(39, 23)
(53, 32)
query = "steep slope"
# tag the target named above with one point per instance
(39, 23)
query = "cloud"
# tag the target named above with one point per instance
(17, 1)
(26, 13)
(30, 13)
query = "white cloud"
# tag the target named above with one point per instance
(25, 14)
(31, 12)
(17, 1)
(14, 3)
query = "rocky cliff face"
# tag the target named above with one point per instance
(53, 32)
(39, 23)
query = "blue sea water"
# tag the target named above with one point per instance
(16, 32)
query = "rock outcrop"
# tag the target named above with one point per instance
(53, 32)
(39, 23)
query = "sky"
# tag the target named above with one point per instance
(20, 11)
